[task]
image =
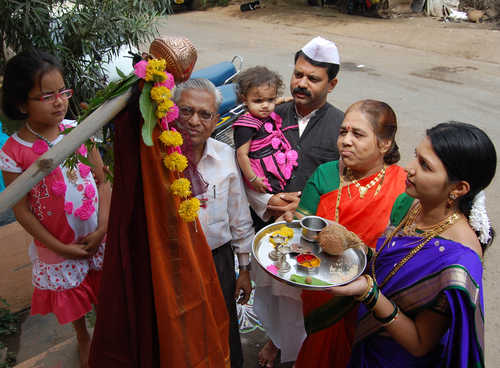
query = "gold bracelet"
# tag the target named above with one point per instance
(369, 280)
(392, 320)
(371, 300)
(386, 321)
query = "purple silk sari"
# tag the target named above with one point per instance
(441, 266)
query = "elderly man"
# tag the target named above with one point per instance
(225, 215)
(311, 125)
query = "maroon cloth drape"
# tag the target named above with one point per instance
(125, 333)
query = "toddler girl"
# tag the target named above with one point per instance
(264, 154)
(61, 211)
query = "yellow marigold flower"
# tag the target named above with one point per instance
(160, 93)
(171, 138)
(162, 108)
(286, 232)
(155, 70)
(157, 64)
(155, 76)
(175, 162)
(188, 209)
(181, 188)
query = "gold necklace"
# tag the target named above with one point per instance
(339, 194)
(427, 237)
(364, 188)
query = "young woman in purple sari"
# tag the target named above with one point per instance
(421, 296)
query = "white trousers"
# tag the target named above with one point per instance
(279, 308)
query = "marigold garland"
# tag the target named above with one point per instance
(171, 138)
(160, 94)
(175, 161)
(181, 188)
(153, 71)
(188, 209)
(163, 107)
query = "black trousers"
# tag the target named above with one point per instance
(224, 264)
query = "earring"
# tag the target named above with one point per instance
(451, 199)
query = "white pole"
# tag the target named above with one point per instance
(57, 154)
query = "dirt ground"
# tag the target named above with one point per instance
(478, 41)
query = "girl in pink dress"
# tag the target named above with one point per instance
(66, 212)
(265, 156)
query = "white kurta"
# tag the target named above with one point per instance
(277, 305)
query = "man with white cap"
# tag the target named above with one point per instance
(311, 125)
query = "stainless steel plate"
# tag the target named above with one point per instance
(333, 270)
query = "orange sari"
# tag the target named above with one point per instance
(160, 303)
(192, 320)
(329, 342)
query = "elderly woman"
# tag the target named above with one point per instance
(421, 295)
(358, 192)
(369, 183)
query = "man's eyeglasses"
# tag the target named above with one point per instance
(51, 97)
(186, 113)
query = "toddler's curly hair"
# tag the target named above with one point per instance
(256, 77)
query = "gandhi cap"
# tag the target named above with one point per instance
(322, 50)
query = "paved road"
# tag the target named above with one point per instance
(424, 87)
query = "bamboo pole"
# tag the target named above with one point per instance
(57, 154)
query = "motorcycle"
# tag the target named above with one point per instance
(222, 75)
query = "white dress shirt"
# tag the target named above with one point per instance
(226, 215)
(304, 120)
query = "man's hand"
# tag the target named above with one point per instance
(283, 202)
(243, 287)
(287, 216)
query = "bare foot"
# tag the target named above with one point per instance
(83, 338)
(268, 354)
(84, 349)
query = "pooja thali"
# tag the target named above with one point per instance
(288, 257)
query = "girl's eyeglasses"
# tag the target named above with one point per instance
(51, 97)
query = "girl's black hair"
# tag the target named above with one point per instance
(22, 72)
(256, 77)
(468, 154)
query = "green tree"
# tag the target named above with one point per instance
(83, 34)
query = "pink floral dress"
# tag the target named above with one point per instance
(66, 204)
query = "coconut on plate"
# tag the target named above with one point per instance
(334, 239)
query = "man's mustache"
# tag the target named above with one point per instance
(301, 90)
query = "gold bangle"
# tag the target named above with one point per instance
(371, 301)
(392, 320)
(369, 281)
(386, 321)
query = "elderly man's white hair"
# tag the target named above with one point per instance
(198, 83)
